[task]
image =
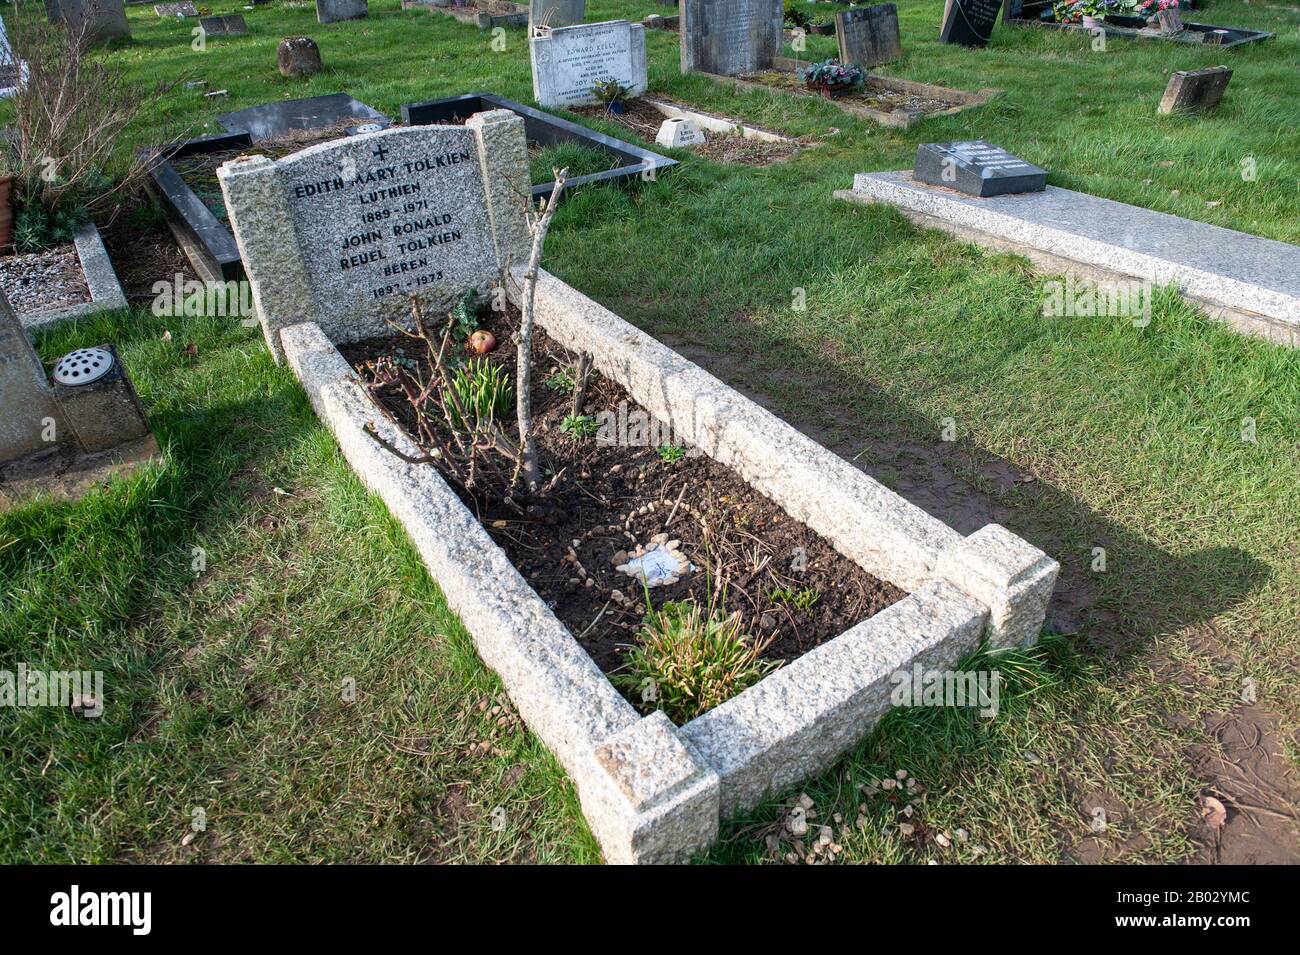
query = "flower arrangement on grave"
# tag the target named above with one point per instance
(612, 94)
(1153, 8)
(1089, 12)
(832, 78)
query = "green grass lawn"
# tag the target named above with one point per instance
(226, 686)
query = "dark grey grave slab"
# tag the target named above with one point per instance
(1195, 90)
(977, 168)
(332, 11)
(273, 120)
(969, 22)
(729, 37)
(868, 36)
(205, 239)
(544, 130)
(230, 25)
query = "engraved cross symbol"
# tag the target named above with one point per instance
(381, 151)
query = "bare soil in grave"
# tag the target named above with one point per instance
(886, 101)
(143, 254)
(38, 281)
(644, 120)
(616, 497)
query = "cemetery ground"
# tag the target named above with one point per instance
(223, 683)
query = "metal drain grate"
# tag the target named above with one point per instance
(83, 366)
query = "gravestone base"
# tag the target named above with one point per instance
(103, 414)
(65, 473)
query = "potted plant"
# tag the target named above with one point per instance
(613, 95)
(822, 26)
(832, 78)
(1092, 13)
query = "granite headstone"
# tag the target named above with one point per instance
(969, 22)
(95, 20)
(556, 13)
(1195, 90)
(568, 61)
(28, 414)
(868, 36)
(182, 10)
(977, 168)
(729, 37)
(332, 11)
(344, 232)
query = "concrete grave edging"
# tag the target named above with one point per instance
(650, 791)
(101, 279)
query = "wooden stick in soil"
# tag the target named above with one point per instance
(580, 383)
(523, 400)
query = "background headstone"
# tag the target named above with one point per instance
(331, 11)
(556, 13)
(183, 9)
(977, 168)
(569, 61)
(97, 20)
(298, 56)
(230, 25)
(342, 233)
(26, 403)
(728, 37)
(868, 36)
(1170, 20)
(969, 22)
(1195, 89)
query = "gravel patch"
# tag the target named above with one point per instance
(38, 281)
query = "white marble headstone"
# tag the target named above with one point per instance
(343, 233)
(569, 61)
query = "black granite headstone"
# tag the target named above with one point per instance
(976, 168)
(969, 22)
(272, 120)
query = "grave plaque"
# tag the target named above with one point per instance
(230, 25)
(95, 20)
(868, 36)
(343, 233)
(27, 407)
(569, 61)
(729, 37)
(969, 22)
(332, 11)
(1198, 90)
(977, 168)
(555, 13)
(186, 9)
